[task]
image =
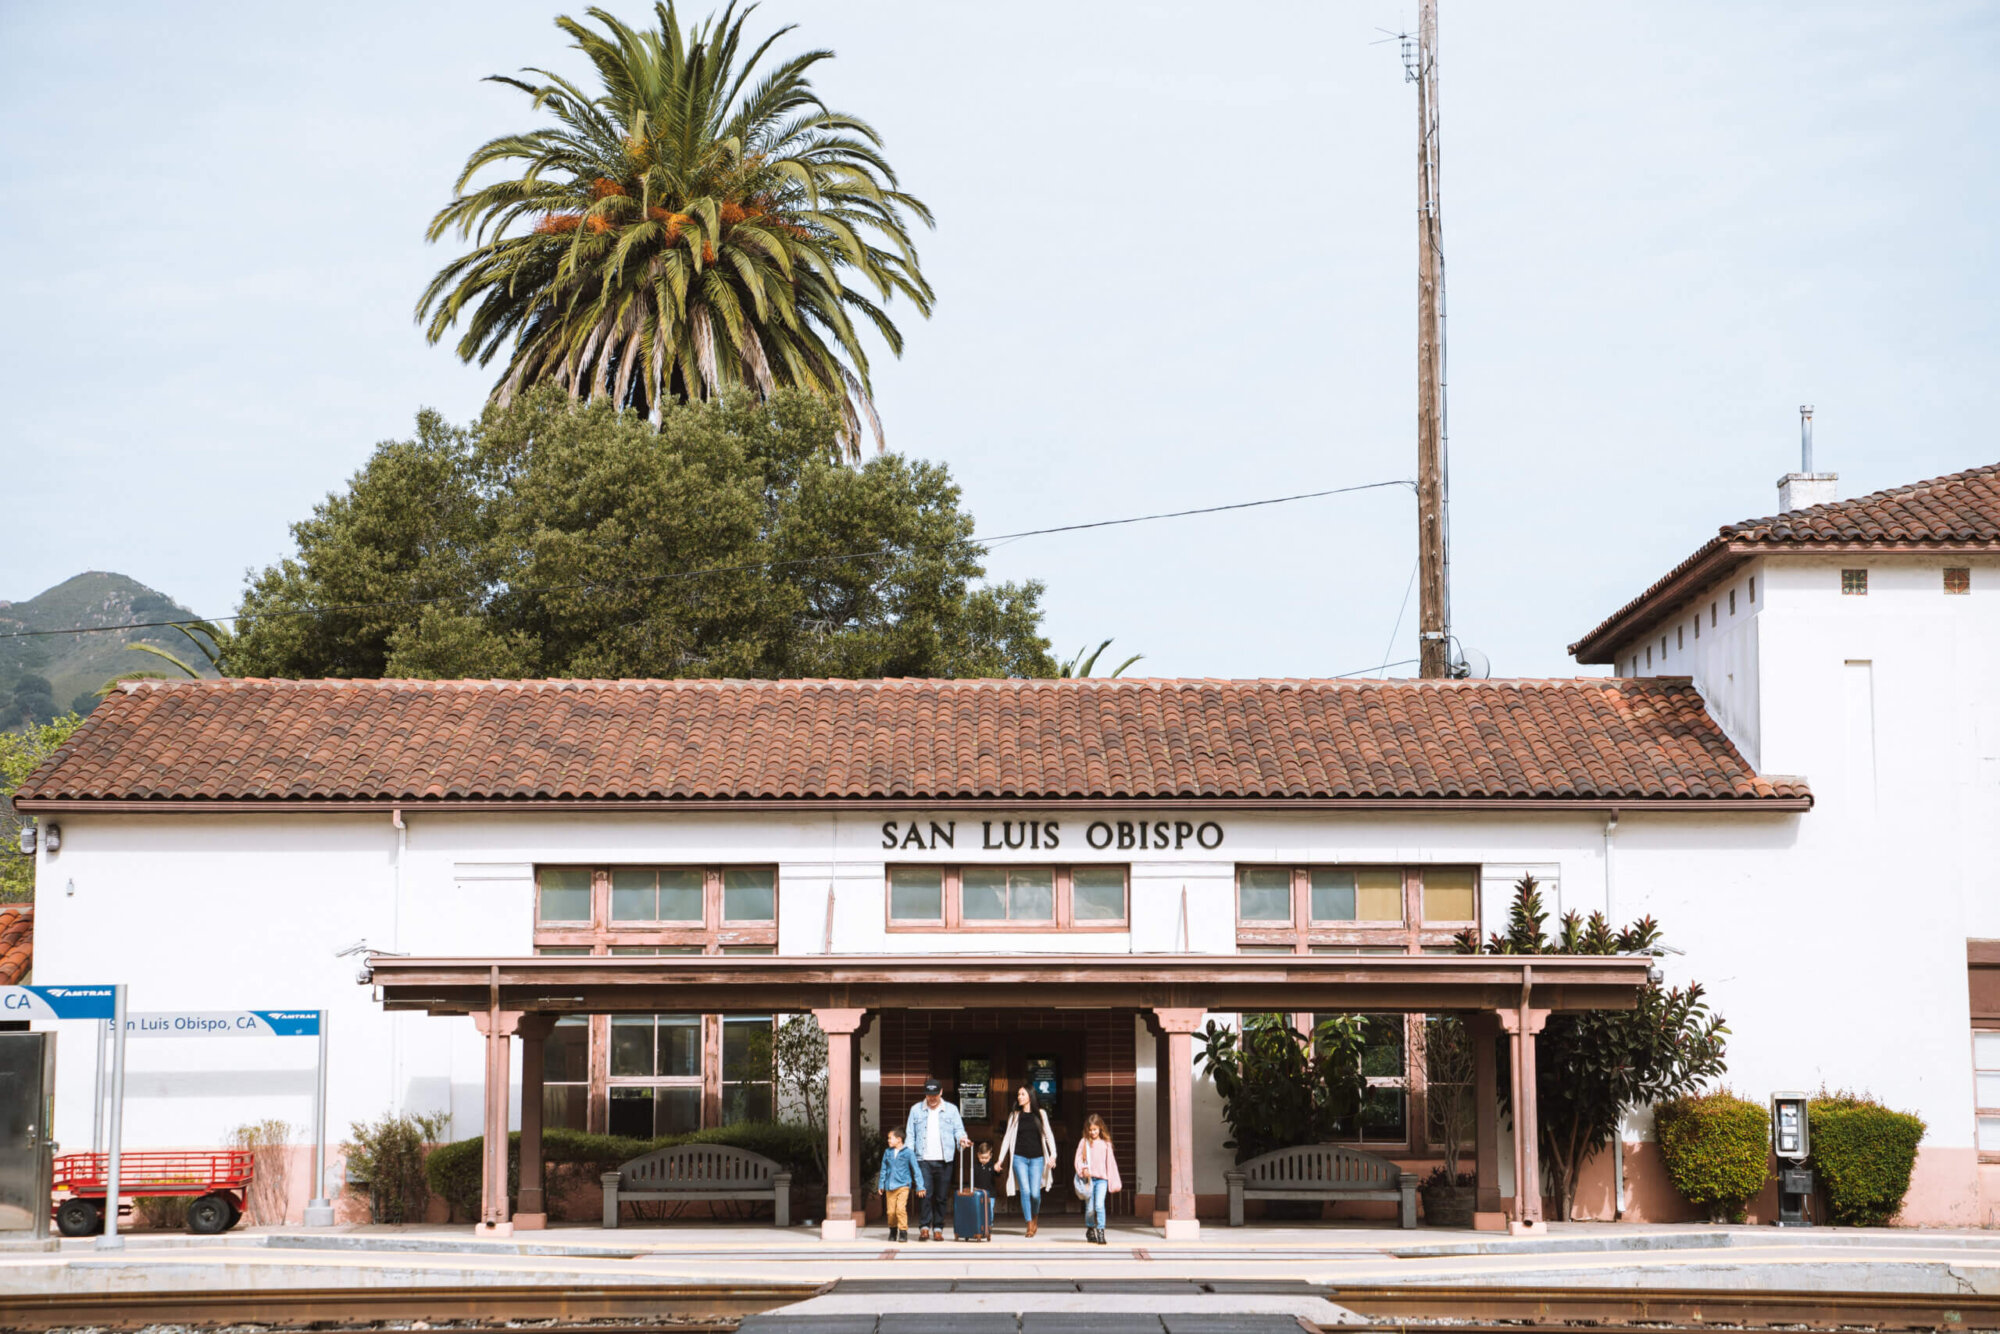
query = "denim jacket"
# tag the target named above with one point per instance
(899, 1168)
(951, 1129)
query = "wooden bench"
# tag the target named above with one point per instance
(699, 1172)
(1320, 1172)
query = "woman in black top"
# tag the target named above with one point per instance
(1031, 1142)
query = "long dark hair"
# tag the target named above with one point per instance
(1034, 1106)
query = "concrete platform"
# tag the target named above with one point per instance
(1578, 1254)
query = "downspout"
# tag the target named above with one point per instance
(396, 943)
(1610, 904)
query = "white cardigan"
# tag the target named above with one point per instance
(1007, 1148)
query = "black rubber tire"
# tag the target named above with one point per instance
(235, 1212)
(209, 1215)
(79, 1218)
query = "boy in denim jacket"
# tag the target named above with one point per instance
(897, 1178)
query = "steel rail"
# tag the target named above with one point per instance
(1686, 1308)
(686, 1305)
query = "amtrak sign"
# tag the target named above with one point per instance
(222, 1024)
(57, 1002)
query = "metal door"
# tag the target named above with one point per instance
(27, 1101)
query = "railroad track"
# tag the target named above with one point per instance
(701, 1309)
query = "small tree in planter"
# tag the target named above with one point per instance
(1717, 1149)
(1592, 1066)
(1280, 1088)
(1443, 1049)
(799, 1055)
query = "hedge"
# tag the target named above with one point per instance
(1717, 1150)
(1864, 1153)
(454, 1170)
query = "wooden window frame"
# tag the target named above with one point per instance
(1410, 936)
(1302, 933)
(1981, 1026)
(601, 935)
(954, 920)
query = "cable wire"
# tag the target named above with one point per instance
(875, 553)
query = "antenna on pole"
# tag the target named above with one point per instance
(1420, 66)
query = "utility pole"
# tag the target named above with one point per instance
(1433, 532)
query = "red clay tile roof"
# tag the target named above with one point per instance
(17, 944)
(417, 741)
(1956, 511)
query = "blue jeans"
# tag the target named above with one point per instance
(1093, 1205)
(1028, 1185)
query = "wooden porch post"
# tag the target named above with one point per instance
(1484, 1030)
(841, 1028)
(1163, 1133)
(533, 1213)
(496, 1025)
(1177, 1086)
(1521, 1026)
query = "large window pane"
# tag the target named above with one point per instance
(1332, 896)
(982, 895)
(632, 1046)
(1097, 894)
(1264, 894)
(1032, 896)
(566, 1052)
(1382, 1049)
(1986, 1050)
(632, 1113)
(635, 894)
(679, 1046)
(1448, 894)
(566, 1106)
(916, 894)
(1384, 1116)
(680, 894)
(1378, 895)
(746, 1047)
(565, 894)
(745, 1102)
(749, 895)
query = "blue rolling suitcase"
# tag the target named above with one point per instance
(971, 1210)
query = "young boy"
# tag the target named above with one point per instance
(982, 1179)
(897, 1178)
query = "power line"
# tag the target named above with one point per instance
(875, 553)
(1380, 666)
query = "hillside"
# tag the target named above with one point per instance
(76, 665)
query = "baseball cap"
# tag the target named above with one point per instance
(932, 1086)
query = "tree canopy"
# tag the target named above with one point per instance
(552, 539)
(687, 226)
(21, 753)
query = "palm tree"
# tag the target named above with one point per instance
(1082, 665)
(209, 639)
(681, 232)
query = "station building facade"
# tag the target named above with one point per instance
(991, 882)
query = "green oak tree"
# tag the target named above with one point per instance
(690, 223)
(565, 540)
(21, 753)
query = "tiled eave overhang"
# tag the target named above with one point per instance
(1716, 561)
(1226, 983)
(792, 805)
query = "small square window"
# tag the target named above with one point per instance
(749, 895)
(1448, 894)
(1957, 579)
(998, 894)
(1854, 583)
(1097, 894)
(1378, 895)
(565, 894)
(1264, 894)
(1332, 895)
(916, 894)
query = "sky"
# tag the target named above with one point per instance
(1175, 263)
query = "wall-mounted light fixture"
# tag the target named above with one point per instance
(52, 838)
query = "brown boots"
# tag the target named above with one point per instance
(1031, 1227)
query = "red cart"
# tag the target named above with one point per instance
(219, 1179)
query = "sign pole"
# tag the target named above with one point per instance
(111, 1241)
(97, 1089)
(319, 1210)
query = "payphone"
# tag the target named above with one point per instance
(1791, 1142)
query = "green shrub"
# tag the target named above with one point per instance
(1717, 1149)
(164, 1212)
(1864, 1153)
(455, 1171)
(388, 1154)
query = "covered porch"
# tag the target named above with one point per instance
(509, 998)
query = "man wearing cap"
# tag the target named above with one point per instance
(935, 1133)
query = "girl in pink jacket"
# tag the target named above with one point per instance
(1096, 1175)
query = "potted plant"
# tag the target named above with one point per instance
(1445, 1048)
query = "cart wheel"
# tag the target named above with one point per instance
(235, 1213)
(79, 1218)
(208, 1215)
